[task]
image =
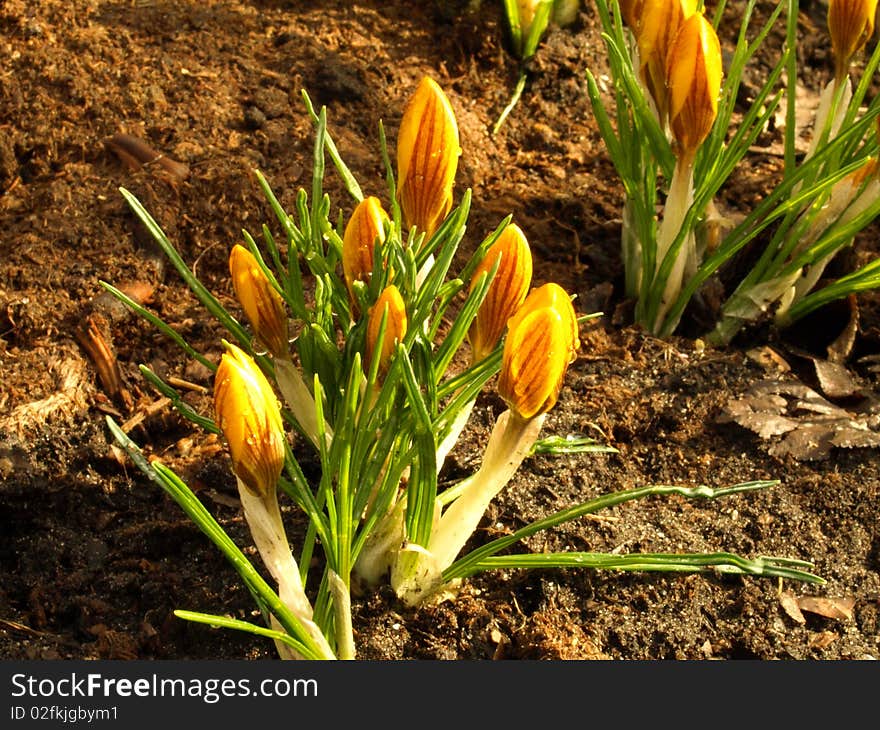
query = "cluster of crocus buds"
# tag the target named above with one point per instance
(427, 158)
(850, 25)
(261, 303)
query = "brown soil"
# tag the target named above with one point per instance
(94, 558)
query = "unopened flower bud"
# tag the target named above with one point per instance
(261, 303)
(249, 416)
(391, 302)
(694, 83)
(542, 340)
(506, 292)
(850, 25)
(655, 27)
(365, 227)
(631, 12)
(427, 157)
(527, 10)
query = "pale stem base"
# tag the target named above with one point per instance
(510, 442)
(264, 521)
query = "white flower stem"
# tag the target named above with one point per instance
(679, 200)
(833, 104)
(375, 558)
(264, 520)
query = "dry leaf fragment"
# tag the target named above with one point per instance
(810, 425)
(835, 380)
(789, 603)
(836, 608)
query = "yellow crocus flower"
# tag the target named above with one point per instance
(261, 303)
(655, 28)
(850, 25)
(249, 416)
(542, 340)
(427, 157)
(506, 292)
(693, 76)
(631, 12)
(391, 302)
(365, 227)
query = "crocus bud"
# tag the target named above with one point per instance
(506, 292)
(694, 83)
(850, 25)
(249, 416)
(395, 327)
(631, 12)
(542, 340)
(365, 227)
(427, 157)
(527, 10)
(261, 303)
(655, 28)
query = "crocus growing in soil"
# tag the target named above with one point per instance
(365, 228)
(507, 290)
(693, 80)
(260, 301)
(542, 340)
(427, 157)
(248, 414)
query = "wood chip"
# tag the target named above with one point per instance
(136, 153)
(768, 359)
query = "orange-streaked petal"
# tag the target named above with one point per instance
(631, 12)
(365, 227)
(850, 25)
(261, 303)
(506, 292)
(427, 157)
(248, 414)
(656, 30)
(542, 340)
(694, 82)
(395, 327)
